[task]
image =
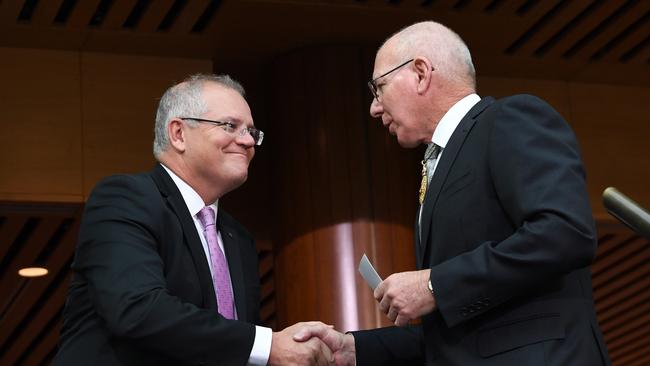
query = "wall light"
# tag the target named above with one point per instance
(33, 271)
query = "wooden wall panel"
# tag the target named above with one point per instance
(339, 189)
(611, 122)
(78, 117)
(40, 144)
(613, 125)
(120, 97)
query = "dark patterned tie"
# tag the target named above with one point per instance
(431, 153)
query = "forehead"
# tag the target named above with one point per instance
(384, 60)
(225, 102)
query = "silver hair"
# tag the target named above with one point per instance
(185, 100)
(442, 46)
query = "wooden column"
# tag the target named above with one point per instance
(340, 186)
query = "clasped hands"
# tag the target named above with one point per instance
(402, 296)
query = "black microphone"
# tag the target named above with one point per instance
(627, 211)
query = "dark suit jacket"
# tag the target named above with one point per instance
(508, 234)
(141, 292)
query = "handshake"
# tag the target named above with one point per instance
(312, 343)
(402, 297)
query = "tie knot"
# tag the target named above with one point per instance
(432, 152)
(206, 216)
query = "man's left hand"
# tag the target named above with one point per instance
(405, 296)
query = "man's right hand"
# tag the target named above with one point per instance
(342, 345)
(286, 351)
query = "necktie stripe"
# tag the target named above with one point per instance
(220, 272)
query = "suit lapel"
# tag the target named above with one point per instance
(233, 255)
(170, 191)
(442, 171)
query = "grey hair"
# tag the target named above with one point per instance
(442, 46)
(185, 100)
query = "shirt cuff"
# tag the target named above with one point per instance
(261, 347)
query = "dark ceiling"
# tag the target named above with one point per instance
(580, 40)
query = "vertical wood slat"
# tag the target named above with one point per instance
(82, 14)
(154, 15)
(44, 348)
(631, 40)
(630, 255)
(587, 26)
(46, 12)
(533, 16)
(333, 215)
(188, 16)
(509, 7)
(612, 30)
(566, 14)
(28, 253)
(22, 346)
(9, 231)
(117, 14)
(292, 217)
(622, 292)
(630, 342)
(56, 264)
(9, 10)
(642, 57)
(476, 7)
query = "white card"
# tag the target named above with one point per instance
(369, 273)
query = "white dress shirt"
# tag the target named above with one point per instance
(263, 336)
(443, 132)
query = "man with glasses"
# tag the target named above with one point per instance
(161, 275)
(504, 233)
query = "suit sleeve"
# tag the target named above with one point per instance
(390, 346)
(537, 174)
(118, 256)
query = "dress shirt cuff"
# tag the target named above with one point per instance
(261, 346)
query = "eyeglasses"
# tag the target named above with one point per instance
(372, 84)
(231, 128)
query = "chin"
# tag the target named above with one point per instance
(407, 143)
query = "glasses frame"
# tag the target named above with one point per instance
(372, 84)
(257, 135)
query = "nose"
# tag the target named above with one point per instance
(244, 138)
(376, 109)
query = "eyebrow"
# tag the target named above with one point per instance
(232, 119)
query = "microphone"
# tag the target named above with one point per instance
(627, 211)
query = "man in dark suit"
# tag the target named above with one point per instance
(161, 276)
(504, 235)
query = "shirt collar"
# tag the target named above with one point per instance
(452, 118)
(193, 201)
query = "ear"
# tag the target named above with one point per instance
(176, 134)
(424, 71)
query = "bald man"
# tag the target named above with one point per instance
(504, 235)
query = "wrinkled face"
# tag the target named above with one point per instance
(397, 102)
(214, 155)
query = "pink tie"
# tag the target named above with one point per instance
(220, 273)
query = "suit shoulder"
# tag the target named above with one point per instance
(124, 188)
(522, 100)
(131, 181)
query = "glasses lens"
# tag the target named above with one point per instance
(256, 135)
(373, 88)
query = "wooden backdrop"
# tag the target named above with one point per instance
(328, 184)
